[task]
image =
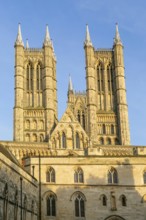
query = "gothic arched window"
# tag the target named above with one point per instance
(41, 137)
(63, 140)
(79, 205)
(112, 176)
(77, 141)
(78, 176)
(51, 205)
(110, 78)
(39, 77)
(108, 141)
(101, 141)
(103, 129)
(103, 200)
(29, 77)
(123, 200)
(100, 86)
(83, 121)
(112, 129)
(50, 175)
(144, 177)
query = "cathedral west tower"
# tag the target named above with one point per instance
(107, 110)
(35, 110)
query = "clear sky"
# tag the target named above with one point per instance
(67, 20)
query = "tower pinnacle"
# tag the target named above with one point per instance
(47, 40)
(117, 39)
(70, 86)
(27, 44)
(19, 40)
(88, 39)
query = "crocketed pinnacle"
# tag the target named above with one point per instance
(47, 40)
(27, 44)
(117, 39)
(88, 39)
(19, 40)
(70, 86)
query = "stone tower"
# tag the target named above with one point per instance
(107, 110)
(35, 110)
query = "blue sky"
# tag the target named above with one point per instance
(67, 20)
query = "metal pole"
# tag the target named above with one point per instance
(21, 196)
(40, 202)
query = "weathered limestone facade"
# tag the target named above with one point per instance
(16, 201)
(81, 167)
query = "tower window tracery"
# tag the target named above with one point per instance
(39, 77)
(51, 205)
(110, 78)
(112, 176)
(78, 176)
(100, 83)
(79, 206)
(63, 140)
(50, 175)
(29, 77)
(77, 141)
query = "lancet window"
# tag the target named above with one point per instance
(78, 176)
(100, 85)
(29, 77)
(63, 140)
(112, 176)
(77, 141)
(50, 175)
(110, 78)
(79, 206)
(51, 205)
(39, 77)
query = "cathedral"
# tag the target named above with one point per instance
(81, 167)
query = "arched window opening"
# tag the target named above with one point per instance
(39, 77)
(50, 175)
(79, 206)
(144, 177)
(112, 176)
(123, 200)
(41, 124)
(27, 124)
(112, 129)
(110, 78)
(100, 86)
(63, 140)
(83, 121)
(51, 205)
(79, 116)
(104, 200)
(101, 141)
(29, 77)
(77, 141)
(103, 129)
(41, 137)
(5, 205)
(78, 176)
(108, 141)
(116, 141)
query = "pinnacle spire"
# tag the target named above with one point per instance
(27, 44)
(47, 40)
(88, 39)
(19, 40)
(117, 39)
(70, 86)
